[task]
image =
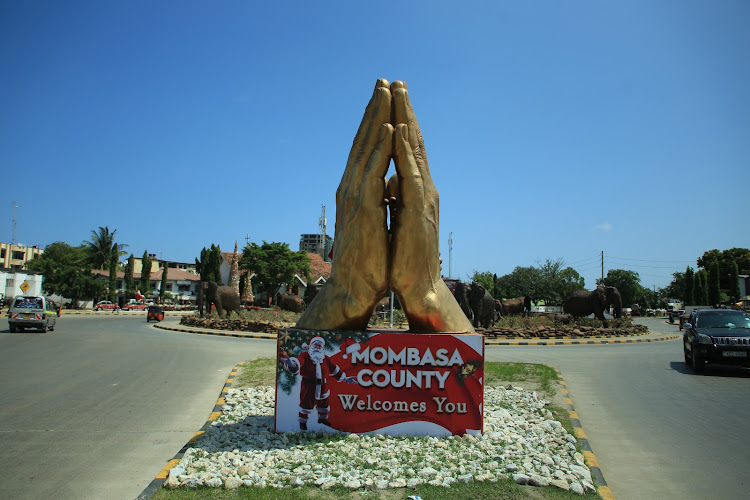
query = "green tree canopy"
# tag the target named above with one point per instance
(67, 272)
(114, 257)
(163, 287)
(628, 283)
(274, 265)
(486, 279)
(689, 298)
(701, 287)
(100, 247)
(129, 271)
(146, 274)
(209, 264)
(522, 281)
(714, 287)
(726, 260)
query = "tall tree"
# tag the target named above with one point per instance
(163, 286)
(101, 245)
(114, 256)
(274, 265)
(714, 290)
(67, 272)
(689, 299)
(734, 285)
(209, 264)
(701, 287)
(146, 274)
(129, 271)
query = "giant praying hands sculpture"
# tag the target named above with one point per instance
(369, 260)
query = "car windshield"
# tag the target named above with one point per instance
(726, 320)
(28, 303)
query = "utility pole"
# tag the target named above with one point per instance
(602, 265)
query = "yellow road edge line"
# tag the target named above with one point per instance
(214, 415)
(605, 493)
(196, 436)
(573, 414)
(590, 459)
(165, 471)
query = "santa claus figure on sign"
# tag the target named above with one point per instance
(314, 366)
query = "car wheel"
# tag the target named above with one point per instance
(688, 361)
(44, 329)
(98, 309)
(698, 363)
(12, 329)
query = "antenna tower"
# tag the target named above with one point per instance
(13, 240)
(322, 222)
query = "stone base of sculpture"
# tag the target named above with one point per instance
(379, 381)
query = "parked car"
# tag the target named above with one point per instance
(106, 305)
(155, 312)
(135, 306)
(31, 312)
(716, 336)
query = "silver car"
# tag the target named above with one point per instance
(31, 312)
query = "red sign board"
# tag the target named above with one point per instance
(380, 382)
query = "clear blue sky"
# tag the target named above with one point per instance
(558, 130)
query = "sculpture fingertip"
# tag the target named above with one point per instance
(382, 83)
(398, 84)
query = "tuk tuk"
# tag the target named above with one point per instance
(155, 312)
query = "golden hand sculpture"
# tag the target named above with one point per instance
(367, 259)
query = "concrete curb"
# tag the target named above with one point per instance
(511, 342)
(588, 454)
(161, 477)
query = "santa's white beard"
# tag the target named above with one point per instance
(317, 355)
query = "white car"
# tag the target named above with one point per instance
(31, 312)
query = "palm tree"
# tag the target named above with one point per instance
(101, 245)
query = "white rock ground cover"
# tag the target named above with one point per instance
(521, 440)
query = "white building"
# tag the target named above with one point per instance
(17, 282)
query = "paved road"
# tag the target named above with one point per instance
(657, 430)
(96, 408)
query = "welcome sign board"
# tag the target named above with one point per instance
(380, 382)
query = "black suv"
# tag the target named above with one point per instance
(717, 336)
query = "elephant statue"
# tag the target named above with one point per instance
(583, 302)
(512, 307)
(292, 303)
(225, 298)
(477, 303)
(311, 292)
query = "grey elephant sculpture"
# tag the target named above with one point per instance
(477, 303)
(225, 298)
(513, 307)
(292, 303)
(583, 302)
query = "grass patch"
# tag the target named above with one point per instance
(261, 372)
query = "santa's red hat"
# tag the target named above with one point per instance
(349, 346)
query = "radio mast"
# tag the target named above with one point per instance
(13, 240)
(322, 222)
